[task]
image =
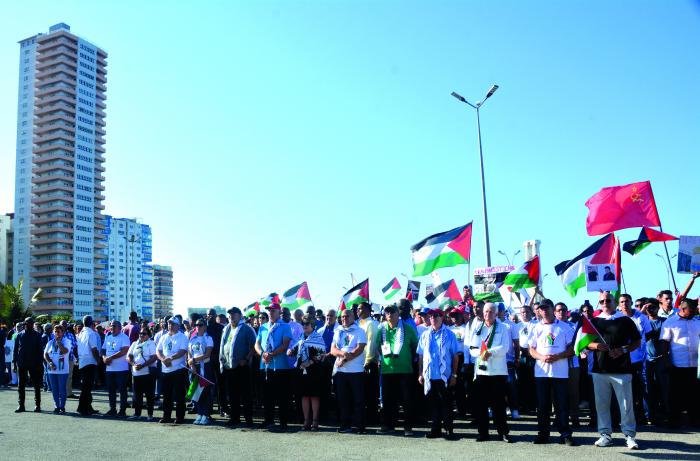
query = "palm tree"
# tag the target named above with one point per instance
(12, 305)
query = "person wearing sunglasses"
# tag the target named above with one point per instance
(142, 358)
(612, 370)
(199, 353)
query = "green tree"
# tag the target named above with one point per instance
(12, 306)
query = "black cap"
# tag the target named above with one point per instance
(234, 310)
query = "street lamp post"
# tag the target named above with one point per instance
(510, 260)
(477, 106)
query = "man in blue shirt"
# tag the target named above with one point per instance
(438, 359)
(271, 344)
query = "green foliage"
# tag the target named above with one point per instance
(12, 306)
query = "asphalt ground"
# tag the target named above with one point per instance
(32, 436)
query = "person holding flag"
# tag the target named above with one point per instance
(438, 358)
(612, 336)
(199, 351)
(489, 346)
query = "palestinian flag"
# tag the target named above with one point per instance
(527, 276)
(444, 295)
(296, 297)
(646, 236)
(391, 289)
(446, 249)
(270, 299)
(252, 309)
(489, 297)
(198, 384)
(355, 295)
(585, 335)
(573, 272)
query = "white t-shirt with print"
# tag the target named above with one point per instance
(142, 353)
(59, 360)
(168, 346)
(551, 338)
(347, 340)
(198, 346)
(112, 345)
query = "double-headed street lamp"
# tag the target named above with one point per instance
(512, 258)
(477, 106)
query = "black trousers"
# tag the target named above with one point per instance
(277, 392)
(174, 390)
(238, 389)
(397, 387)
(144, 385)
(372, 392)
(440, 400)
(351, 399)
(37, 375)
(87, 383)
(221, 391)
(658, 382)
(639, 395)
(685, 394)
(545, 388)
(526, 384)
(491, 392)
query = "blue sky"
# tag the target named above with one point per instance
(268, 143)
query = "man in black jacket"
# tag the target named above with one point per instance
(27, 358)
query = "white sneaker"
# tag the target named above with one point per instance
(604, 441)
(198, 420)
(631, 443)
(204, 421)
(515, 414)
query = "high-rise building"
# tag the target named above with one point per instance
(6, 241)
(129, 252)
(59, 242)
(162, 291)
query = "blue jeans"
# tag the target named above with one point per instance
(58, 388)
(116, 381)
(621, 384)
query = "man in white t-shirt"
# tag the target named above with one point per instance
(551, 344)
(114, 351)
(348, 349)
(89, 346)
(172, 353)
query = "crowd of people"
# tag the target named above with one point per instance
(400, 368)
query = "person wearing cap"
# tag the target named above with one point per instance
(489, 346)
(199, 360)
(28, 360)
(348, 348)
(438, 358)
(271, 344)
(172, 353)
(551, 345)
(56, 356)
(396, 342)
(114, 350)
(142, 358)
(235, 355)
(370, 326)
(458, 327)
(89, 346)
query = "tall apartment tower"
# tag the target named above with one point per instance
(129, 280)
(6, 243)
(60, 240)
(162, 291)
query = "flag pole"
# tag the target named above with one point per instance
(668, 259)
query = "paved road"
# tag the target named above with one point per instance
(30, 436)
